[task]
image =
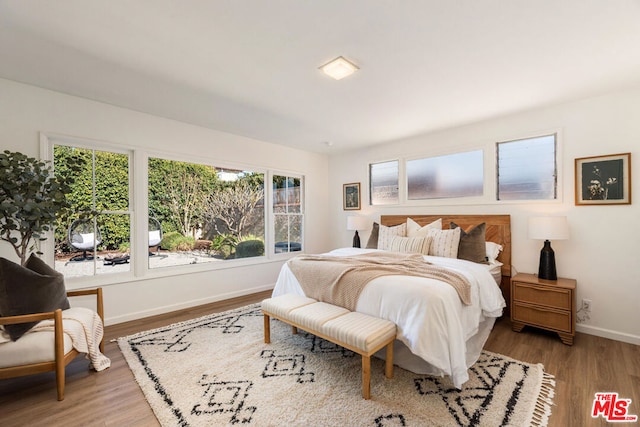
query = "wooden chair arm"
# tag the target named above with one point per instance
(99, 304)
(57, 316)
(36, 317)
(80, 292)
(24, 318)
(99, 301)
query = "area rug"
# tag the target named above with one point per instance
(216, 370)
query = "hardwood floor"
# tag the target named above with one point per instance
(113, 398)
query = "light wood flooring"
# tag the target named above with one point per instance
(113, 398)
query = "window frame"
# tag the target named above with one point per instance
(450, 154)
(490, 167)
(400, 182)
(558, 181)
(218, 165)
(138, 205)
(271, 215)
(48, 141)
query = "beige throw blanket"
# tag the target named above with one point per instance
(340, 280)
(84, 326)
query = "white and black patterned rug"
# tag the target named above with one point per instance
(216, 370)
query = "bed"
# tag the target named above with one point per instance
(437, 333)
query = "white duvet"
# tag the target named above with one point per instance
(442, 335)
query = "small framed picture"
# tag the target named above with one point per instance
(603, 180)
(351, 196)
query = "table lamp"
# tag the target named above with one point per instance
(548, 228)
(357, 223)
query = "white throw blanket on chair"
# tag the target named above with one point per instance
(84, 326)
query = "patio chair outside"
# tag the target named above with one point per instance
(84, 237)
(155, 234)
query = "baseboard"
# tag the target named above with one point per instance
(607, 333)
(187, 304)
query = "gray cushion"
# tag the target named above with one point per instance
(472, 246)
(34, 288)
(372, 243)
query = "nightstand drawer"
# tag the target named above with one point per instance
(547, 296)
(545, 318)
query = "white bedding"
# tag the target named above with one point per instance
(445, 335)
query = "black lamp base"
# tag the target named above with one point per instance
(547, 268)
(356, 240)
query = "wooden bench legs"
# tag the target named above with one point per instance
(366, 356)
(267, 329)
(366, 370)
(366, 377)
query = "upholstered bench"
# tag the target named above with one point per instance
(358, 332)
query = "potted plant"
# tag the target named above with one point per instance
(31, 197)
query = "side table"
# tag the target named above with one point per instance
(545, 304)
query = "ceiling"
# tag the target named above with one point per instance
(250, 67)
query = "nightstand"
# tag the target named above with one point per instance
(545, 304)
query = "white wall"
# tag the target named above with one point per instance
(25, 111)
(603, 253)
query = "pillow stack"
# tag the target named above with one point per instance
(431, 239)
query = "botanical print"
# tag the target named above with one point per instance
(602, 180)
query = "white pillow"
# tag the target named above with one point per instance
(385, 234)
(415, 230)
(417, 245)
(493, 250)
(87, 238)
(154, 237)
(444, 243)
(495, 268)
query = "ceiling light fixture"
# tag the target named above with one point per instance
(339, 68)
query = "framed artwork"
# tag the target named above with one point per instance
(351, 196)
(603, 180)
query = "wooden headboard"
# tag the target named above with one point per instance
(498, 230)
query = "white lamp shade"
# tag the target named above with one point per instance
(548, 228)
(357, 223)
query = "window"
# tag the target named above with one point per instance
(197, 213)
(203, 213)
(453, 175)
(383, 181)
(527, 169)
(287, 213)
(98, 227)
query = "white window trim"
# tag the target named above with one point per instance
(402, 197)
(270, 219)
(560, 178)
(138, 190)
(489, 147)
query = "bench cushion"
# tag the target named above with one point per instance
(314, 316)
(360, 330)
(281, 306)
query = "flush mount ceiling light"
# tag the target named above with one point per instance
(339, 68)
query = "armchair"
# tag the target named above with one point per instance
(44, 351)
